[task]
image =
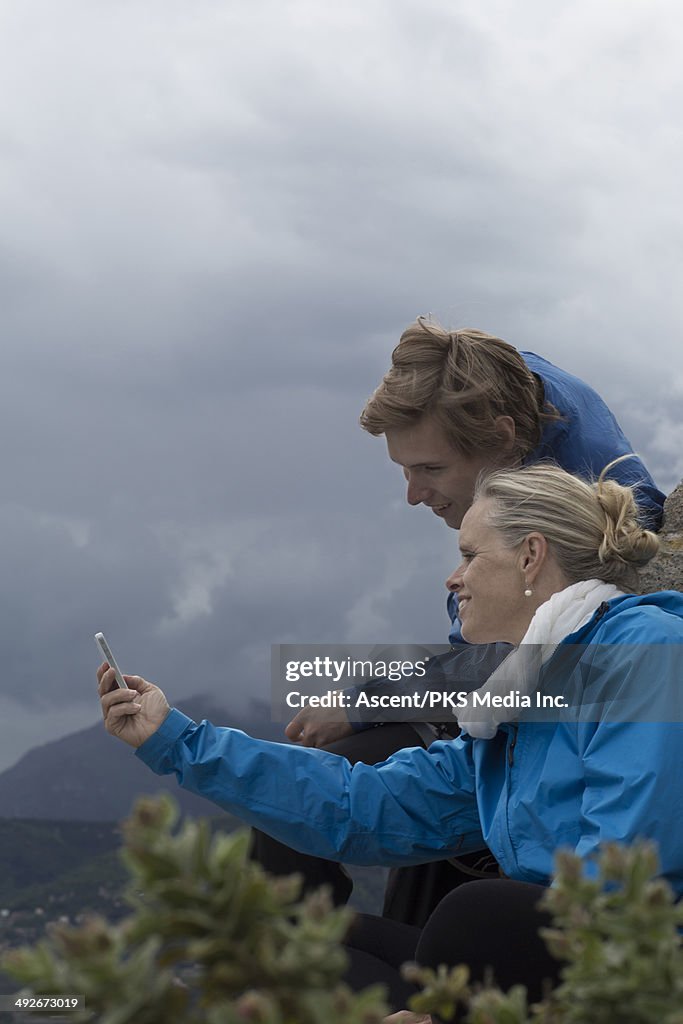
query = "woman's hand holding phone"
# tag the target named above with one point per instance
(132, 714)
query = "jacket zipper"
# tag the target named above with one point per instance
(604, 607)
(512, 744)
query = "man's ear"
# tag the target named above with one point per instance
(506, 431)
(534, 550)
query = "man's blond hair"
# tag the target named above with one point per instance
(464, 380)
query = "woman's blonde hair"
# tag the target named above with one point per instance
(591, 528)
(464, 379)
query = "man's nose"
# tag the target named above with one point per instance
(416, 491)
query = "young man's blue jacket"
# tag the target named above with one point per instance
(588, 437)
(532, 788)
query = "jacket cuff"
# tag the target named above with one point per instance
(157, 751)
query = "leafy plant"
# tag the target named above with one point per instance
(210, 939)
(618, 933)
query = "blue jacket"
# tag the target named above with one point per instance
(533, 788)
(589, 437)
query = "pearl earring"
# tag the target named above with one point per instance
(528, 592)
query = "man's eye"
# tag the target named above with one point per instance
(433, 469)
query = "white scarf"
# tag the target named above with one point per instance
(562, 614)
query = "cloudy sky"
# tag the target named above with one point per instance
(217, 217)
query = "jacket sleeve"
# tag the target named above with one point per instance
(588, 437)
(593, 440)
(417, 806)
(633, 756)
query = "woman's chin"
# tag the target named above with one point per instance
(468, 634)
(472, 635)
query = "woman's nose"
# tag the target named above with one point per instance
(454, 581)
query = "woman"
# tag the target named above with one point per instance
(546, 559)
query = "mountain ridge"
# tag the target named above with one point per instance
(88, 776)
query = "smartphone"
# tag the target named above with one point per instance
(105, 650)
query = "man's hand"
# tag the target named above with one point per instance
(135, 714)
(316, 727)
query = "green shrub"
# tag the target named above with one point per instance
(619, 937)
(212, 940)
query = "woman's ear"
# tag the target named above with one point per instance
(534, 551)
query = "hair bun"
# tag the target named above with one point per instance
(624, 539)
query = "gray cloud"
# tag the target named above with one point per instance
(217, 220)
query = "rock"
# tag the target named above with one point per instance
(665, 572)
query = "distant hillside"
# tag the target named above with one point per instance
(35, 853)
(59, 870)
(90, 776)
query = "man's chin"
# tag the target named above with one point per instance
(453, 521)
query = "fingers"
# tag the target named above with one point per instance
(296, 728)
(308, 724)
(123, 700)
(317, 727)
(117, 695)
(305, 733)
(106, 681)
(117, 706)
(137, 683)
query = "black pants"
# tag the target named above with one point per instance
(412, 893)
(483, 924)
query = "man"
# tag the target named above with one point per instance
(454, 405)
